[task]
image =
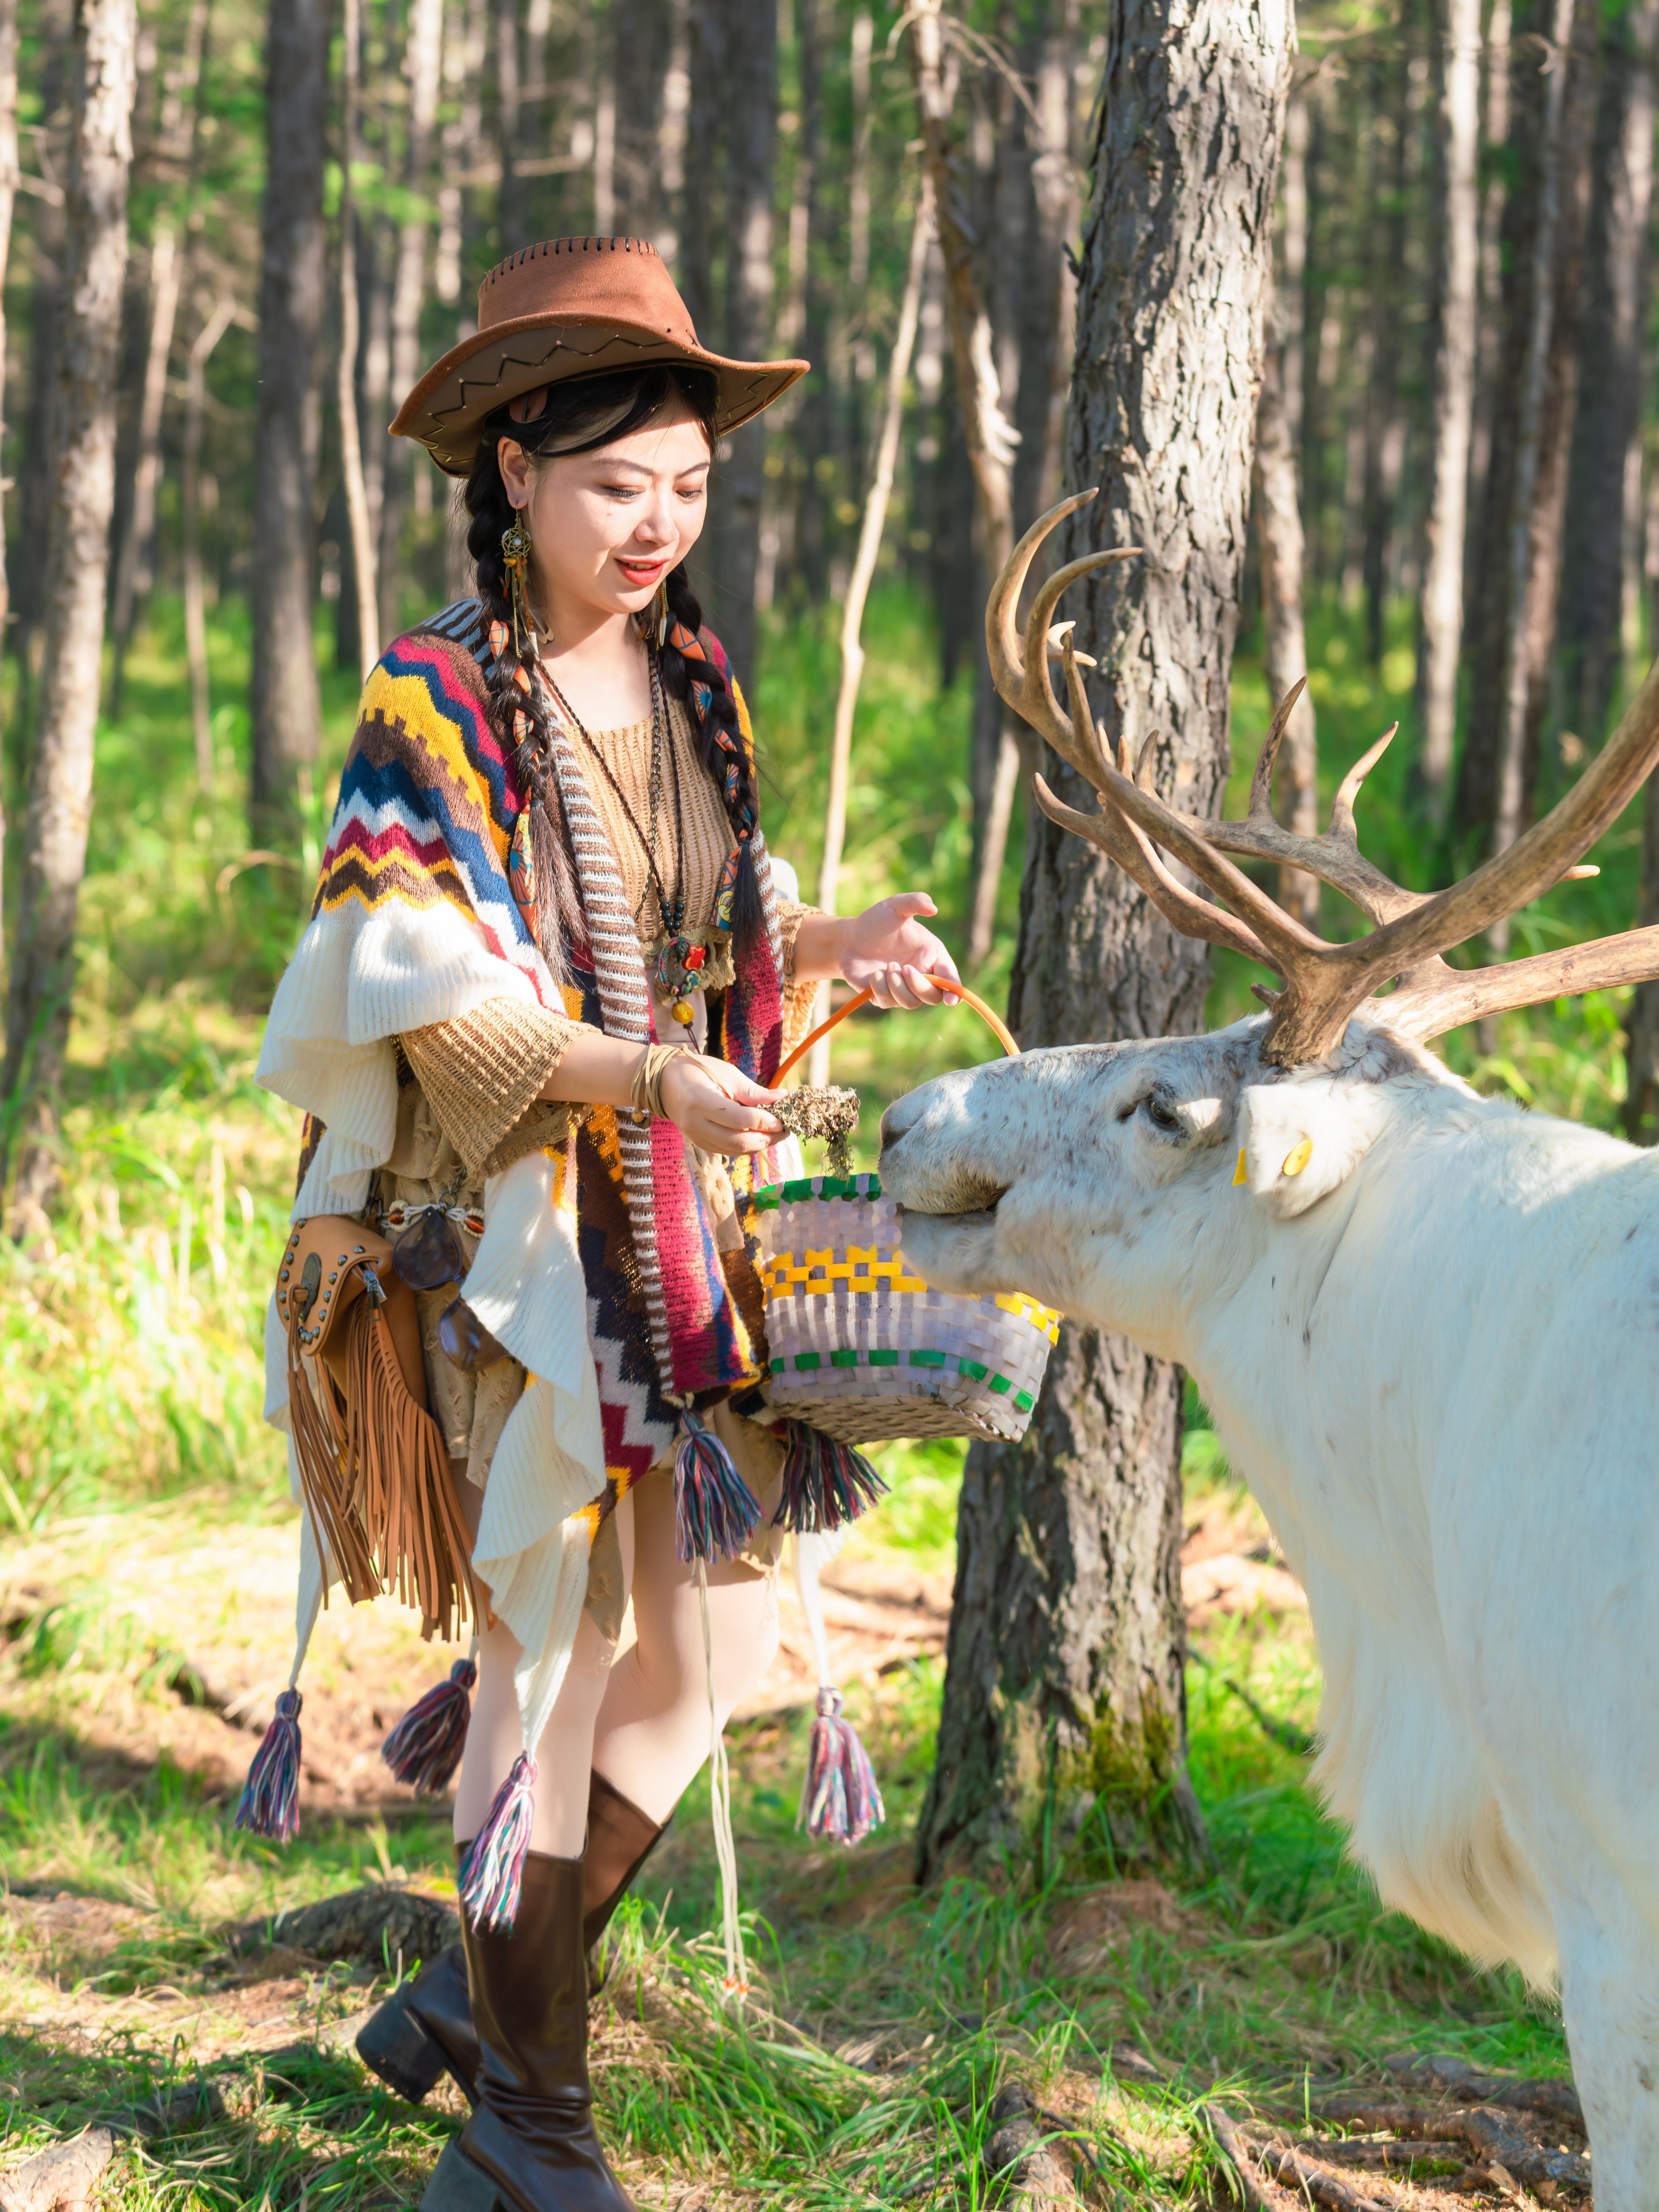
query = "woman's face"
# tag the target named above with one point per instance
(607, 526)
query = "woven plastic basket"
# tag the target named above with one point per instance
(862, 1348)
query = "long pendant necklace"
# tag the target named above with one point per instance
(680, 956)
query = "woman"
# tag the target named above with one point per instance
(538, 1010)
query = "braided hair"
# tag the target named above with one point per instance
(578, 416)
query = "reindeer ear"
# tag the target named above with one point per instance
(1297, 1141)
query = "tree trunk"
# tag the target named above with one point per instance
(1606, 446)
(423, 61)
(1459, 247)
(1048, 296)
(1549, 399)
(1279, 534)
(642, 35)
(750, 101)
(990, 437)
(60, 772)
(287, 706)
(1388, 281)
(510, 203)
(39, 444)
(194, 598)
(359, 519)
(8, 171)
(1064, 1708)
(176, 150)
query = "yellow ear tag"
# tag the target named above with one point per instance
(1238, 1172)
(1298, 1158)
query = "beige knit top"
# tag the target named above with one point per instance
(483, 1075)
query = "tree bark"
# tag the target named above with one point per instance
(195, 597)
(175, 148)
(990, 437)
(1548, 399)
(39, 444)
(359, 519)
(287, 705)
(8, 171)
(751, 102)
(1388, 280)
(60, 773)
(1279, 534)
(423, 62)
(641, 33)
(1064, 1708)
(1606, 449)
(1458, 248)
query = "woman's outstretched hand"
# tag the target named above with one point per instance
(716, 1106)
(888, 951)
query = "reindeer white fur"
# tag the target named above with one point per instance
(1425, 1323)
(1430, 1349)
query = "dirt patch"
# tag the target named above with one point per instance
(1086, 1930)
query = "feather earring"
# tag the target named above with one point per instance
(515, 552)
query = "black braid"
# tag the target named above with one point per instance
(610, 407)
(748, 920)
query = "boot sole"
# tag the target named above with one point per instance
(457, 2186)
(398, 2052)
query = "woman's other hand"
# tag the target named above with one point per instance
(716, 1106)
(889, 950)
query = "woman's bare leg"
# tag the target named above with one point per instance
(653, 1726)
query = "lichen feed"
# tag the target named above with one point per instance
(829, 1111)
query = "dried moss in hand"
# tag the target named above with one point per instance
(829, 1111)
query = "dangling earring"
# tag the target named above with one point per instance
(515, 551)
(659, 611)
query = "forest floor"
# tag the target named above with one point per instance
(146, 1986)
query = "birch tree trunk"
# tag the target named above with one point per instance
(1607, 459)
(83, 500)
(1064, 1714)
(287, 706)
(1454, 395)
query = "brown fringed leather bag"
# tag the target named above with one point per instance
(372, 1460)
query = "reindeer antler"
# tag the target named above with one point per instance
(1324, 983)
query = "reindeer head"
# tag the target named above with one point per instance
(1132, 1148)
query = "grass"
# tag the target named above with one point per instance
(131, 1382)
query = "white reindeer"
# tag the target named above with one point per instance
(1427, 1326)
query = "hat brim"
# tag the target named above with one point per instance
(446, 411)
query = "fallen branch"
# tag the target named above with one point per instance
(1238, 2156)
(1345, 2150)
(63, 2178)
(1490, 2135)
(1019, 2157)
(1555, 2098)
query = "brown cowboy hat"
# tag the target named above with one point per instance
(569, 307)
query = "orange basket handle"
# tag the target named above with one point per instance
(1003, 1034)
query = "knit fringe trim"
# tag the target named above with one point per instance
(271, 1797)
(425, 1747)
(492, 1873)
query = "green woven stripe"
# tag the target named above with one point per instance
(808, 1363)
(858, 1186)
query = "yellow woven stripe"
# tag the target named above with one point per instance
(817, 1272)
(409, 699)
(1042, 1317)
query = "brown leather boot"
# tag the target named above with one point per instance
(530, 2145)
(424, 2028)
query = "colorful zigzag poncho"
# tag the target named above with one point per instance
(598, 1267)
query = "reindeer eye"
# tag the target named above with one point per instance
(1163, 1115)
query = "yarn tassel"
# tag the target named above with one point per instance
(716, 1511)
(493, 1870)
(425, 1747)
(826, 1483)
(841, 1800)
(271, 1796)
